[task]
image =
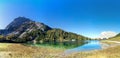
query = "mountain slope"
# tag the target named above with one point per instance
(116, 38)
(23, 30)
(22, 24)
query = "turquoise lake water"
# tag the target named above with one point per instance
(90, 46)
(74, 46)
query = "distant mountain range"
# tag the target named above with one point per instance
(25, 30)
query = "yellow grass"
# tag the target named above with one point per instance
(107, 42)
(21, 51)
(4, 45)
(112, 52)
(115, 38)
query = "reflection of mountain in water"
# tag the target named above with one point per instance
(66, 44)
(91, 45)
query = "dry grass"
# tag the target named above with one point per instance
(21, 51)
(115, 38)
(107, 42)
(4, 45)
(112, 52)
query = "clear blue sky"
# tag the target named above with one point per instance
(86, 17)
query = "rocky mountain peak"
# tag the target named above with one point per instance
(17, 22)
(21, 24)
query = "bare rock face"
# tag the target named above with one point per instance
(21, 24)
(18, 22)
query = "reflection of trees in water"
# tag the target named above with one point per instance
(65, 44)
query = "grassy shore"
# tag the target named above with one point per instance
(8, 50)
(117, 38)
(21, 51)
(112, 52)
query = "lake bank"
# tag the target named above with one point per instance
(23, 51)
(109, 43)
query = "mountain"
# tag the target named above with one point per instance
(115, 38)
(25, 30)
(22, 24)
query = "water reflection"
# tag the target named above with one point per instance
(74, 46)
(91, 45)
(66, 44)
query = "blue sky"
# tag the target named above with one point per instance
(86, 17)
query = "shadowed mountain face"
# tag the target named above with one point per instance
(23, 30)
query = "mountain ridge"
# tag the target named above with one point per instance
(23, 29)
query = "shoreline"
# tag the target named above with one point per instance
(108, 44)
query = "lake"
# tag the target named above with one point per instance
(74, 46)
(65, 45)
(90, 46)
